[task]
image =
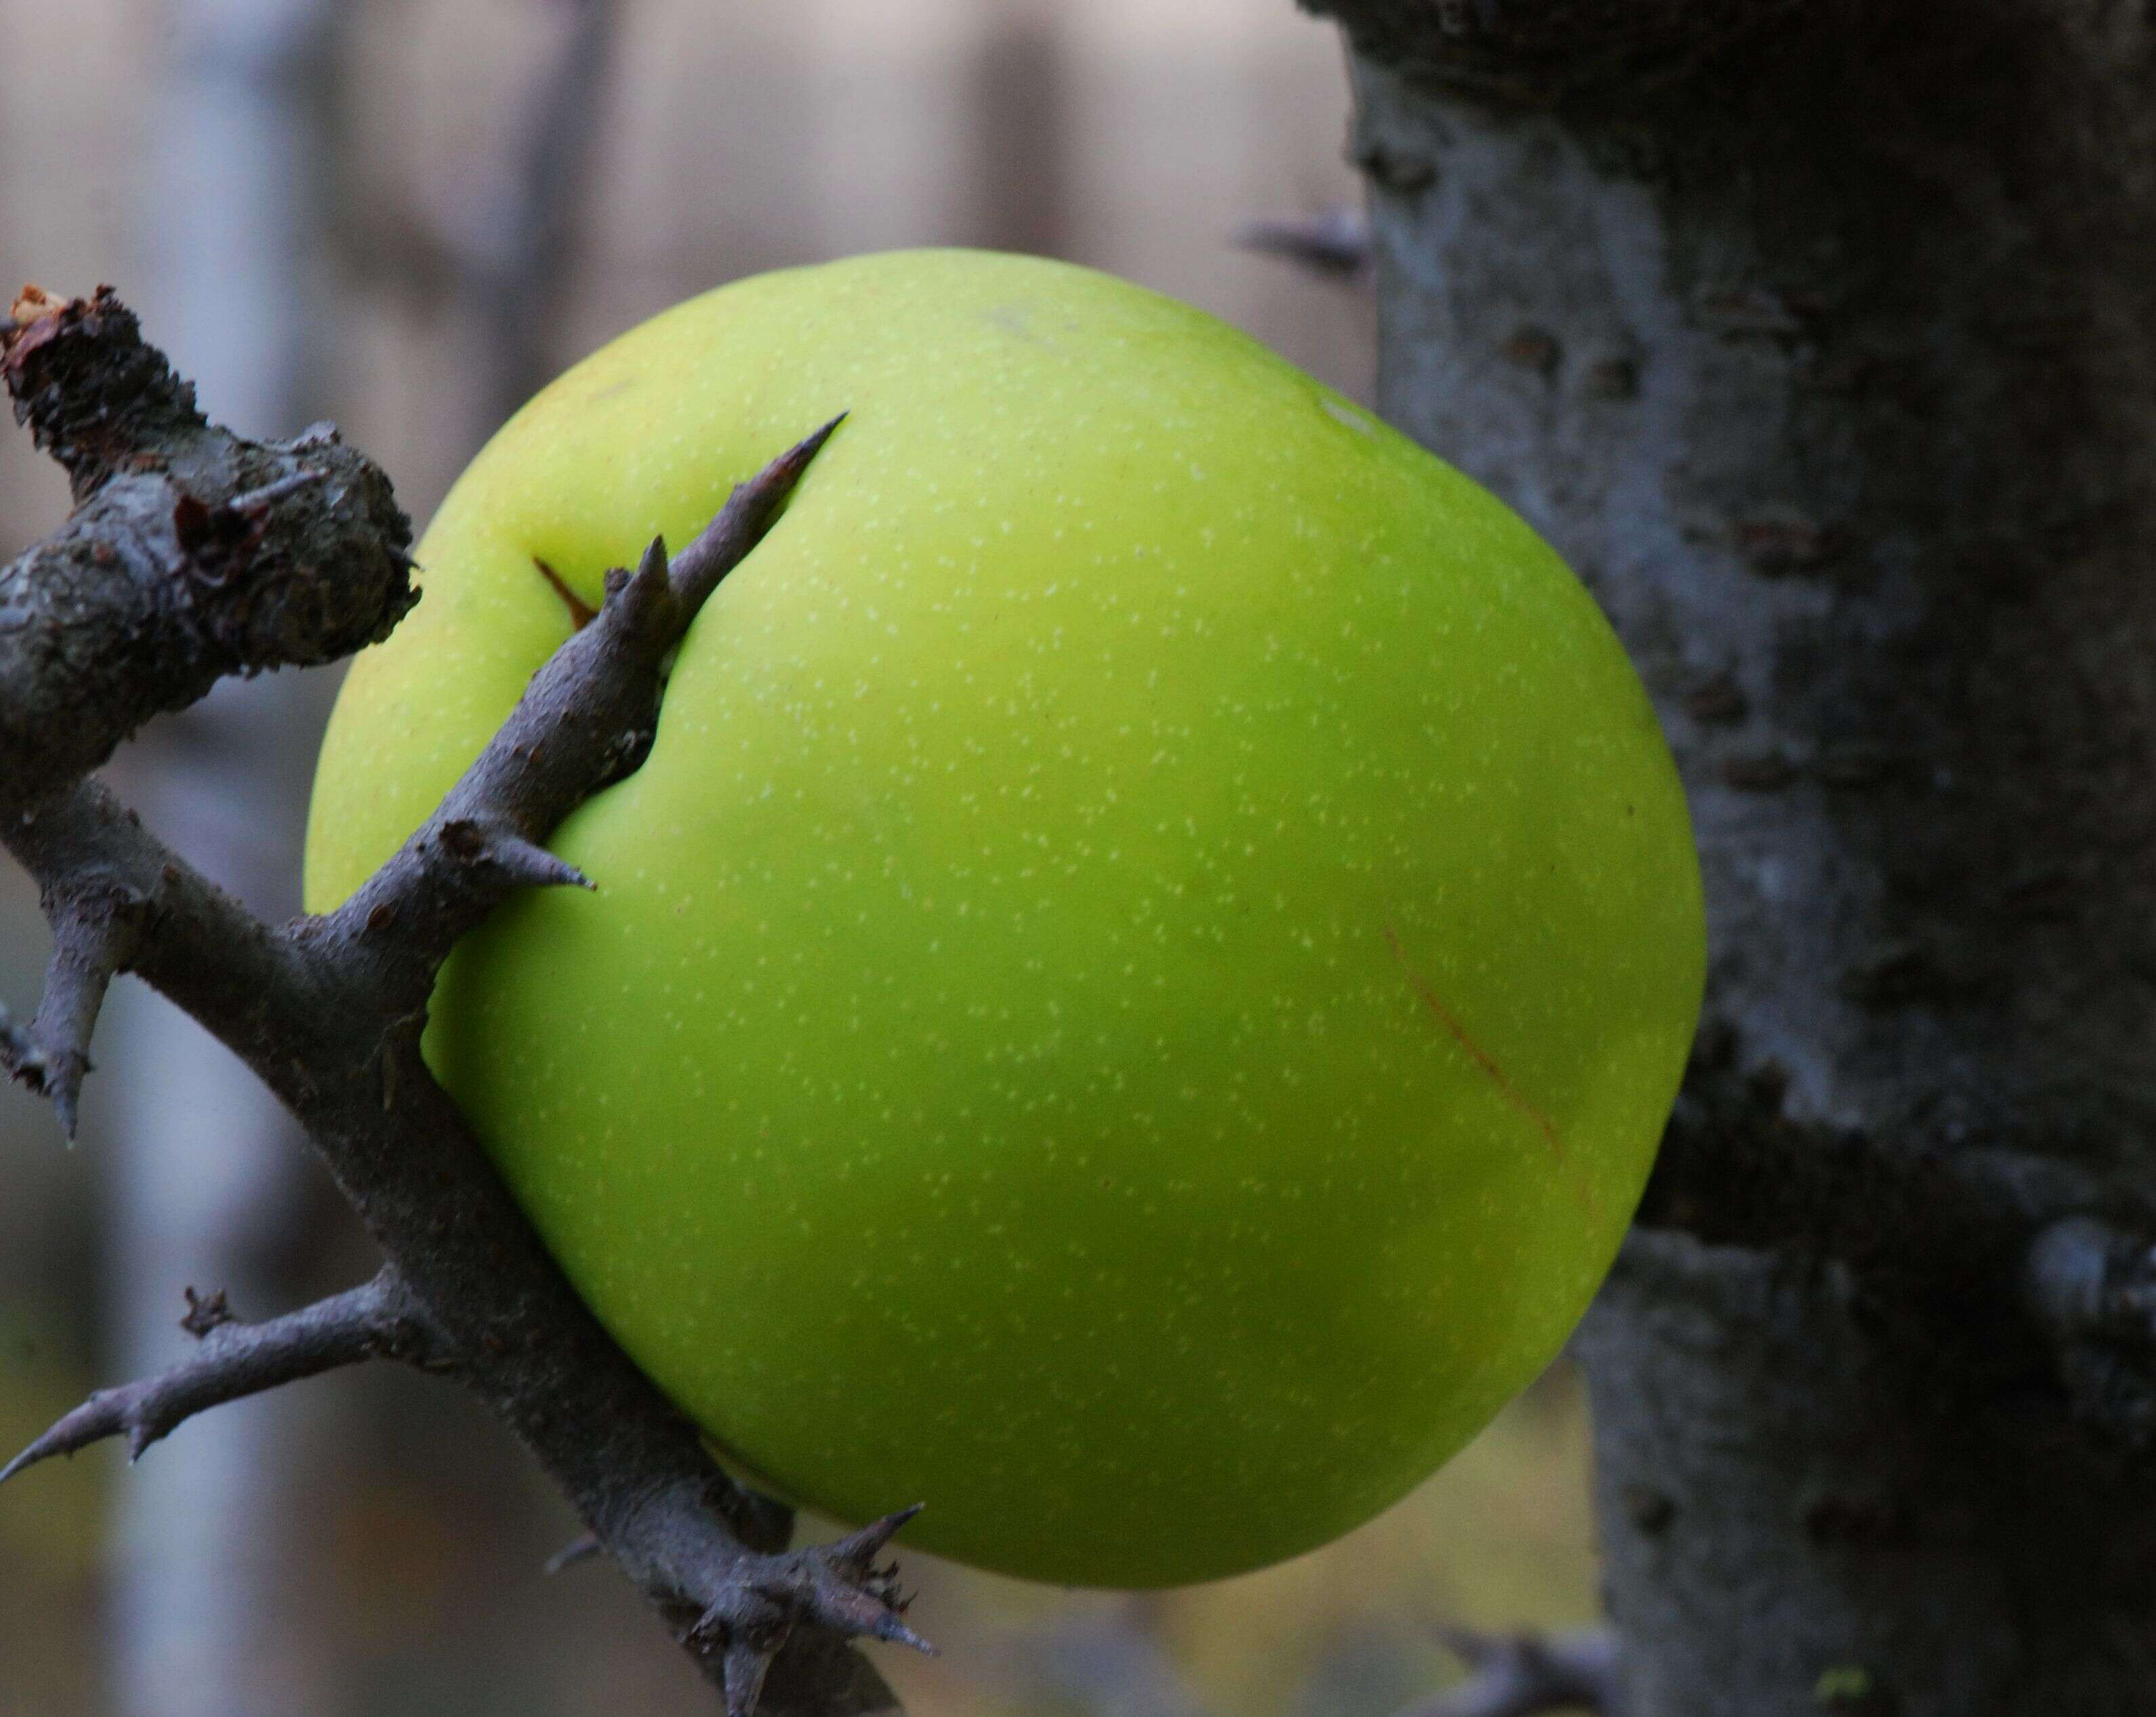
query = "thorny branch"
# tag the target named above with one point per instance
(193, 553)
(376, 1321)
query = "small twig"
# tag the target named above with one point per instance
(1521, 1674)
(377, 1321)
(1333, 242)
(581, 1549)
(206, 1312)
(581, 613)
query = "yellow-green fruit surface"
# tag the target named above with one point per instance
(1138, 987)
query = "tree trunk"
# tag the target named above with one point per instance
(1825, 355)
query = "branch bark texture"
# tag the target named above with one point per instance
(329, 1012)
(378, 1321)
(1825, 355)
(192, 553)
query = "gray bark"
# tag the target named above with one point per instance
(1824, 354)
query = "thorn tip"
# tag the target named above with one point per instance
(858, 1547)
(742, 1671)
(581, 1550)
(898, 1633)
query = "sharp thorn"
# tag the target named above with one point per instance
(735, 529)
(654, 564)
(59, 1076)
(77, 1428)
(795, 460)
(64, 1105)
(848, 1610)
(531, 864)
(23, 1463)
(581, 1549)
(859, 1549)
(643, 601)
(898, 1633)
(776, 481)
(743, 1670)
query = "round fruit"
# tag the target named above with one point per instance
(1137, 990)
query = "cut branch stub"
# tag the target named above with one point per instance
(92, 393)
(192, 553)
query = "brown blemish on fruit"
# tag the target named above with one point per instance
(581, 613)
(1480, 1056)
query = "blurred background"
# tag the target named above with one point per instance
(403, 215)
